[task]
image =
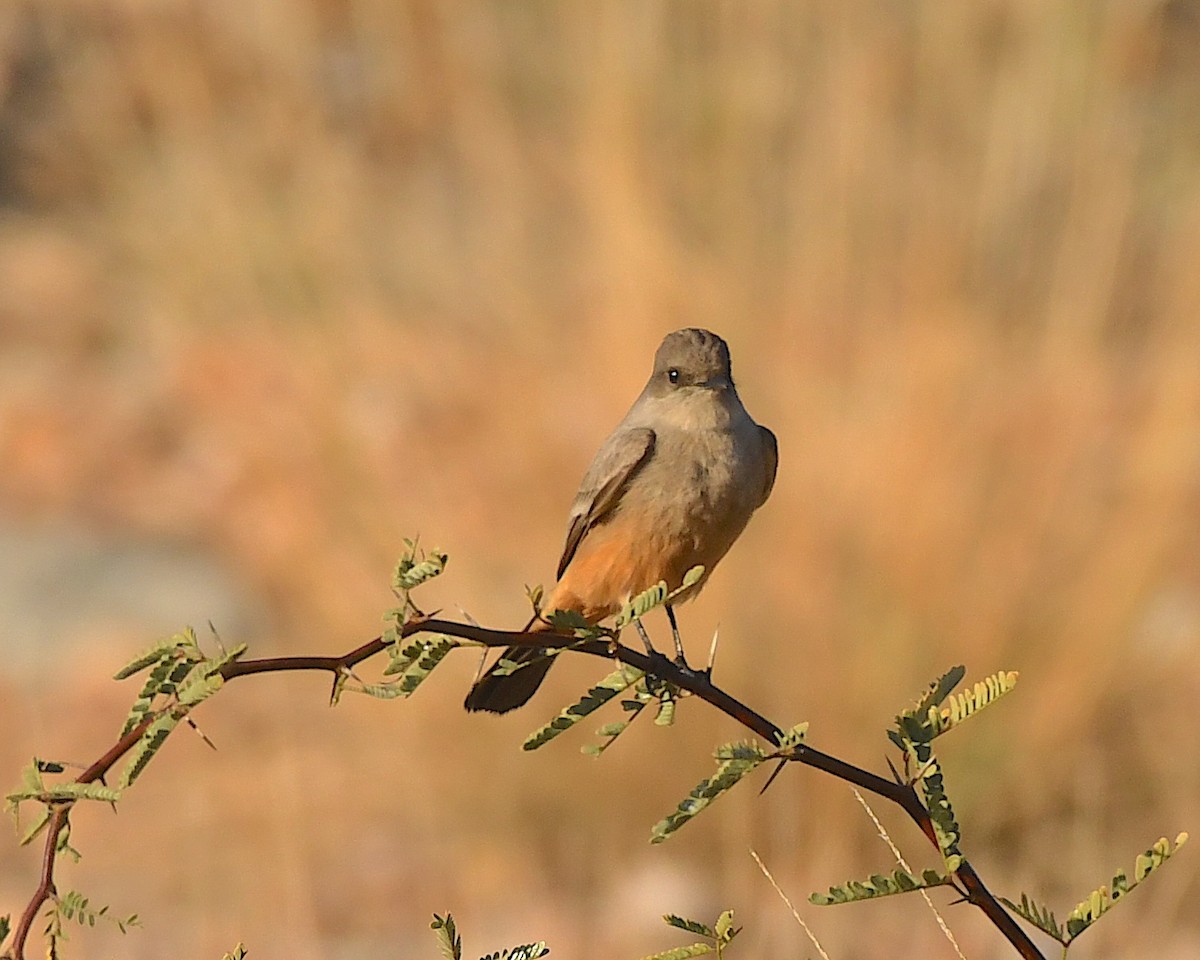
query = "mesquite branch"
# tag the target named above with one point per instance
(698, 683)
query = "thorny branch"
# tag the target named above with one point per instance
(696, 682)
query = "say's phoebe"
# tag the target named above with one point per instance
(670, 489)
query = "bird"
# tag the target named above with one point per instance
(671, 488)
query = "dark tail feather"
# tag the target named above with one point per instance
(499, 694)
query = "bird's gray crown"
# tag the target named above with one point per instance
(699, 357)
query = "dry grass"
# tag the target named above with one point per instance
(281, 283)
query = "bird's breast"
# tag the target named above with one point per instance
(685, 507)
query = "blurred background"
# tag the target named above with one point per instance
(282, 283)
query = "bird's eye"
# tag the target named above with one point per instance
(673, 375)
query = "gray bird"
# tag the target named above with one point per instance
(672, 488)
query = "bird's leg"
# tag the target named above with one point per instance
(653, 683)
(650, 651)
(679, 657)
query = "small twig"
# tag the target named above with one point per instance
(900, 860)
(45, 888)
(783, 896)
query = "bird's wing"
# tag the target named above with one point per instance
(770, 462)
(604, 484)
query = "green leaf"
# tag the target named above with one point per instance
(195, 691)
(719, 937)
(1038, 916)
(534, 594)
(968, 703)
(415, 662)
(610, 731)
(506, 668)
(150, 689)
(63, 842)
(666, 707)
(691, 577)
(691, 926)
(900, 881)
(82, 791)
(929, 718)
(683, 953)
(164, 650)
(737, 760)
(32, 786)
(403, 658)
(416, 567)
(449, 942)
(938, 691)
(910, 723)
(436, 648)
(73, 905)
(945, 826)
(573, 623)
(1102, 899)
(725, 929)
(213, 665)
(237, 953)
(148, 745)
(633, 707)
(527, 951)
(655, 596)
(380, 691)
(35, 828)
(791, 738)
(620, 679)
(5, 927)
(643, 603)
(741, 750)
(31, 775)
(35, 788)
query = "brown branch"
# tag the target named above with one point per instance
(698, 683)
(58, 819)
(45, 888)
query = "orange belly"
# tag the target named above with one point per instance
(614, 562)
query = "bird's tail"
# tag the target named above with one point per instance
(499, 694)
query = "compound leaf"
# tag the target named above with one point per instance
(620, 679)
(900, 881)
(736, 760)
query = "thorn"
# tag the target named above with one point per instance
(895, 773)
(712, 650)
(333, 692)
(217, 637)
(470, 619)
(771, 779)
(479, 669)
(203, 736)
(103, 780)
